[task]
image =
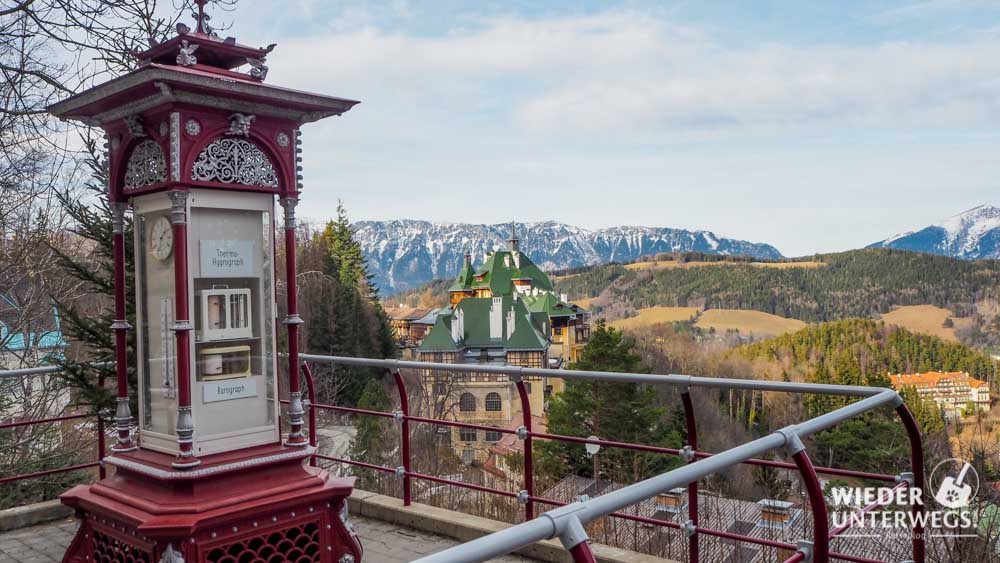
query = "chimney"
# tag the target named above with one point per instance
(562, 297)
(515, 243)
(774, 513)
(458, 326)
(672, 500)
(496, 318)
(510, 323)
(517, 258)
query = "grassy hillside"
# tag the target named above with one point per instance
(756, 323)
(746, 323)
(655, 315)
(928, 319)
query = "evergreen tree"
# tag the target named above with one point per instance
(627, 412)
(374, 442)
(87, 320)
(345, 317)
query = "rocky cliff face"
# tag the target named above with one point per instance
(406, 253)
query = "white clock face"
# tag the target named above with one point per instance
(161, 239)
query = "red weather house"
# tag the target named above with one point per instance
(200, 150)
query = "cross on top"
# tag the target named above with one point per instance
(201, 15)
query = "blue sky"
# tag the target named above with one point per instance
(810, 126)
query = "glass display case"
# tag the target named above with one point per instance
(230, 277)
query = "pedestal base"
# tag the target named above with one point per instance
(261, 505)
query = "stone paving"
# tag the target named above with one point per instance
(383, 543)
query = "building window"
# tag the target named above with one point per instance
(527, 387)
(493, 435)
(557, 330)
(493, 402)
(467, 434)
(547, 393)
(467, 402)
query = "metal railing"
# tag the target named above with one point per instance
(567, 520)
(100, 431)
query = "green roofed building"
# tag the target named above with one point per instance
(504, 313)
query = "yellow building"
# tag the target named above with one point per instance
(953, 392)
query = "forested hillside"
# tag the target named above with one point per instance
(860, 283)
(863, 352)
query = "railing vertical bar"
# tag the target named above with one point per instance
(581, 553)
(404, 405)
(817, 503)
(101, 472)
(919, 478)
(529, 466)
(311, 389)
(692, 441)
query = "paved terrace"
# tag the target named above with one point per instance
(383, 542)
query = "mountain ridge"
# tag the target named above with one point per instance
(406, 253)
(972, 234)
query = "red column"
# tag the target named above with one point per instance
(292, 321)
(182, 332)
(120, 326)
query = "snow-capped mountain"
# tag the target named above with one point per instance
(972, 234)
(406, 253)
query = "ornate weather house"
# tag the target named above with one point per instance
(200, 150)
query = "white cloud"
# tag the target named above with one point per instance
(628, 118)
(627, 73)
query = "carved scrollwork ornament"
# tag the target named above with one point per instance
(145, 166)
(234, 161)
(258, 69)
(185, 56)
(192, 127)
(134, 125)
(283, 139)
(239, 124)
(175, 146)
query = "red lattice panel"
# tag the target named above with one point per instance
(109, 548)
(299, 543)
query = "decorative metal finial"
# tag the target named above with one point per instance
(202, 20)
(200, 17)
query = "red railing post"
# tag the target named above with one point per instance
(817, 503)
(404, 406)
(581, 553)
(311, 389)
(919, 479)
(529, 467)
(692, 442)
(101, 473)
